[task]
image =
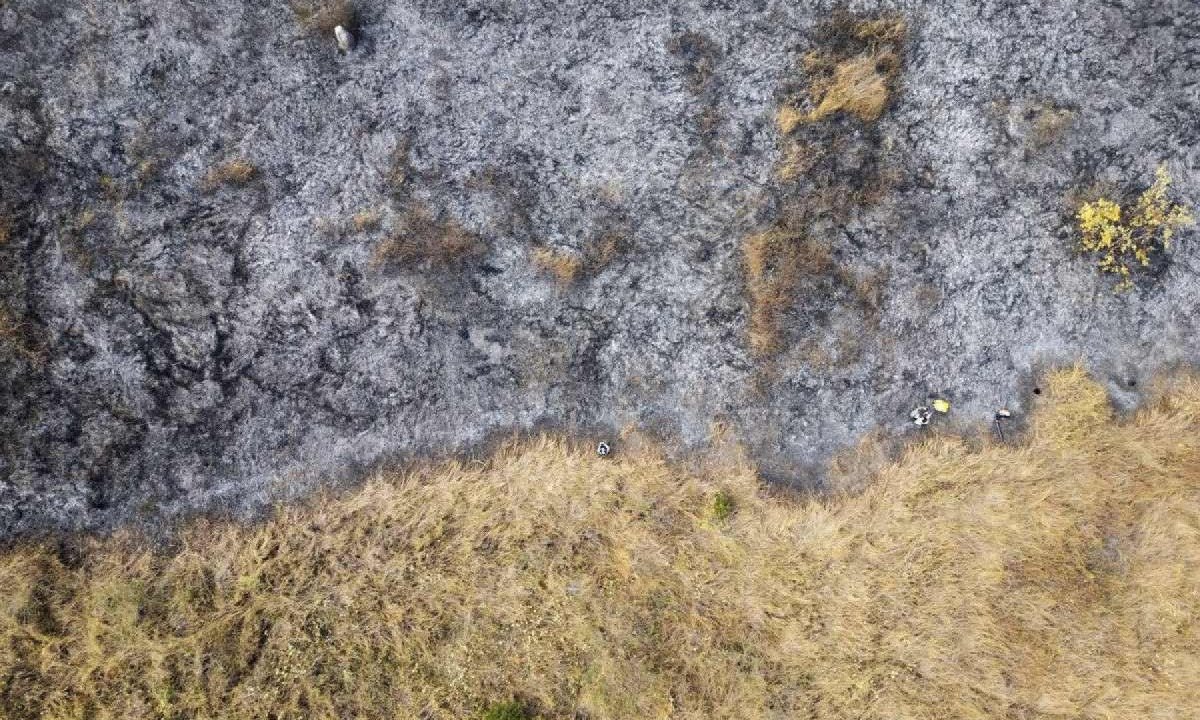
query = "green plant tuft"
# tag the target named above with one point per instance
(723, 506)
(511, 710)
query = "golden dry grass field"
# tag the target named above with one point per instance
(1059, 578)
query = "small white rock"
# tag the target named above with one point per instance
(345, 40)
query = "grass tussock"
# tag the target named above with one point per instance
(567, 267)
(1055, 579)
(859, 86)
(854, 70)
(563, 266)
(235, 172)
(776, 262)
(788, 119)
(422, 238)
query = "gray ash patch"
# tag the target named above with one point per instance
(222, 348)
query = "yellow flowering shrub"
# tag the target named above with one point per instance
(1124, 240)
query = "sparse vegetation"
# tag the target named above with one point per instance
(700, 55)
(1049, 123)
(322, 16)
(327, 227)
(15, 336)
(853, 69)
(564, 266)
(775, 262)
(9, 329)
(1055, 579)
(604, 250)
(399, 168)
(145, 171)
(1125, 239)
(366, 220)
(867, 289)
(237, 171)
(420, 237)
(111, 189)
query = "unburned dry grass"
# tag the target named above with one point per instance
(859, 86)
(855, 71)
(1054, 579)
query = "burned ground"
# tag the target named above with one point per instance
(194, 319)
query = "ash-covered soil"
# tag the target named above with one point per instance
(238, 264)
